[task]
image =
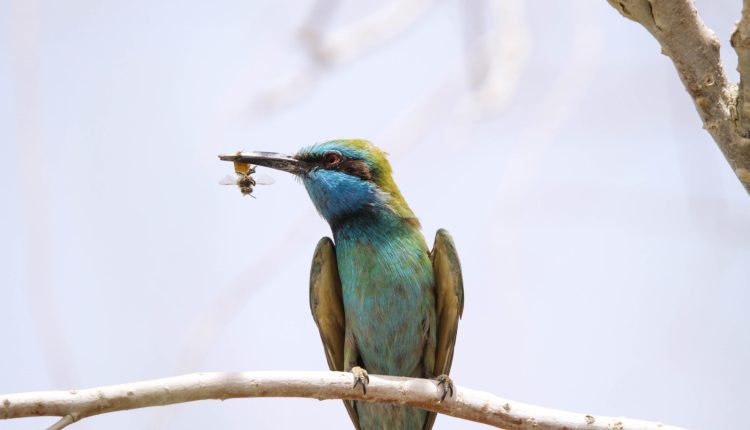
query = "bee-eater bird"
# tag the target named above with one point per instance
(382, 301)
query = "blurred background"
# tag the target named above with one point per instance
(604, 239)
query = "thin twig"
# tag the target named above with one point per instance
(62, 422)
(467, 404)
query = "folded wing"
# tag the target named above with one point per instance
(327, 309)
(449, 303)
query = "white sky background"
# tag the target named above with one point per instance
(603, 237)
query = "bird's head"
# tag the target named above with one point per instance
(344, 178)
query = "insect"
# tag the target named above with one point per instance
(244, 179)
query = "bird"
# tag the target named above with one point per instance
(382, 301)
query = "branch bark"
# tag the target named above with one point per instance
(468, 404)
(694, 50)
(741, 43)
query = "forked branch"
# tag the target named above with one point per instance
(694, 50)
(468, 404)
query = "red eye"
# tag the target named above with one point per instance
(333, 158)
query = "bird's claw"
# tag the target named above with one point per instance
(360, 378)
(446, 383)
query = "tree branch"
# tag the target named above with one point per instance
(741, 42)
(467, 404)
(694, 50)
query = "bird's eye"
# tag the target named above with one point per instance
(333, 158)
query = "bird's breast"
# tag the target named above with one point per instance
(388, 301)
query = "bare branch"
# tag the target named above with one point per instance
(741, 43)
(694, 50)
(467, 404)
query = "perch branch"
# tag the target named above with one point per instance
(694, 50)
(467, 404)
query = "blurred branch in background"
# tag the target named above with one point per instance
(498, 47)
(327, 49)
(497, 43)
(694, 50)
(34, 168)
(468, 404)
(355, 39)
(560, 100)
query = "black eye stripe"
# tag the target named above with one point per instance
(354, 167)
(315, 159)
(350, 166)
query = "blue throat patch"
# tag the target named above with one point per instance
(337, 195)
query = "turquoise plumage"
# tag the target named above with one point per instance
(382, 302)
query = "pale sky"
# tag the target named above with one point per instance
(605, 241)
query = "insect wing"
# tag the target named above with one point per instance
(228, 180)
(261, 179)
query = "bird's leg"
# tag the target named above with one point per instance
(351, 362)
(360, 378)
(445, 383)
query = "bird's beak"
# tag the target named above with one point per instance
(270, 159)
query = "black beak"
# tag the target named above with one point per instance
(272, 160)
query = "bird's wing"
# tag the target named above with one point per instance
(449, 303)
(449, 299)
(327, 309)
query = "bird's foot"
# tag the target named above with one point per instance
(360, 378)
(446, 384)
